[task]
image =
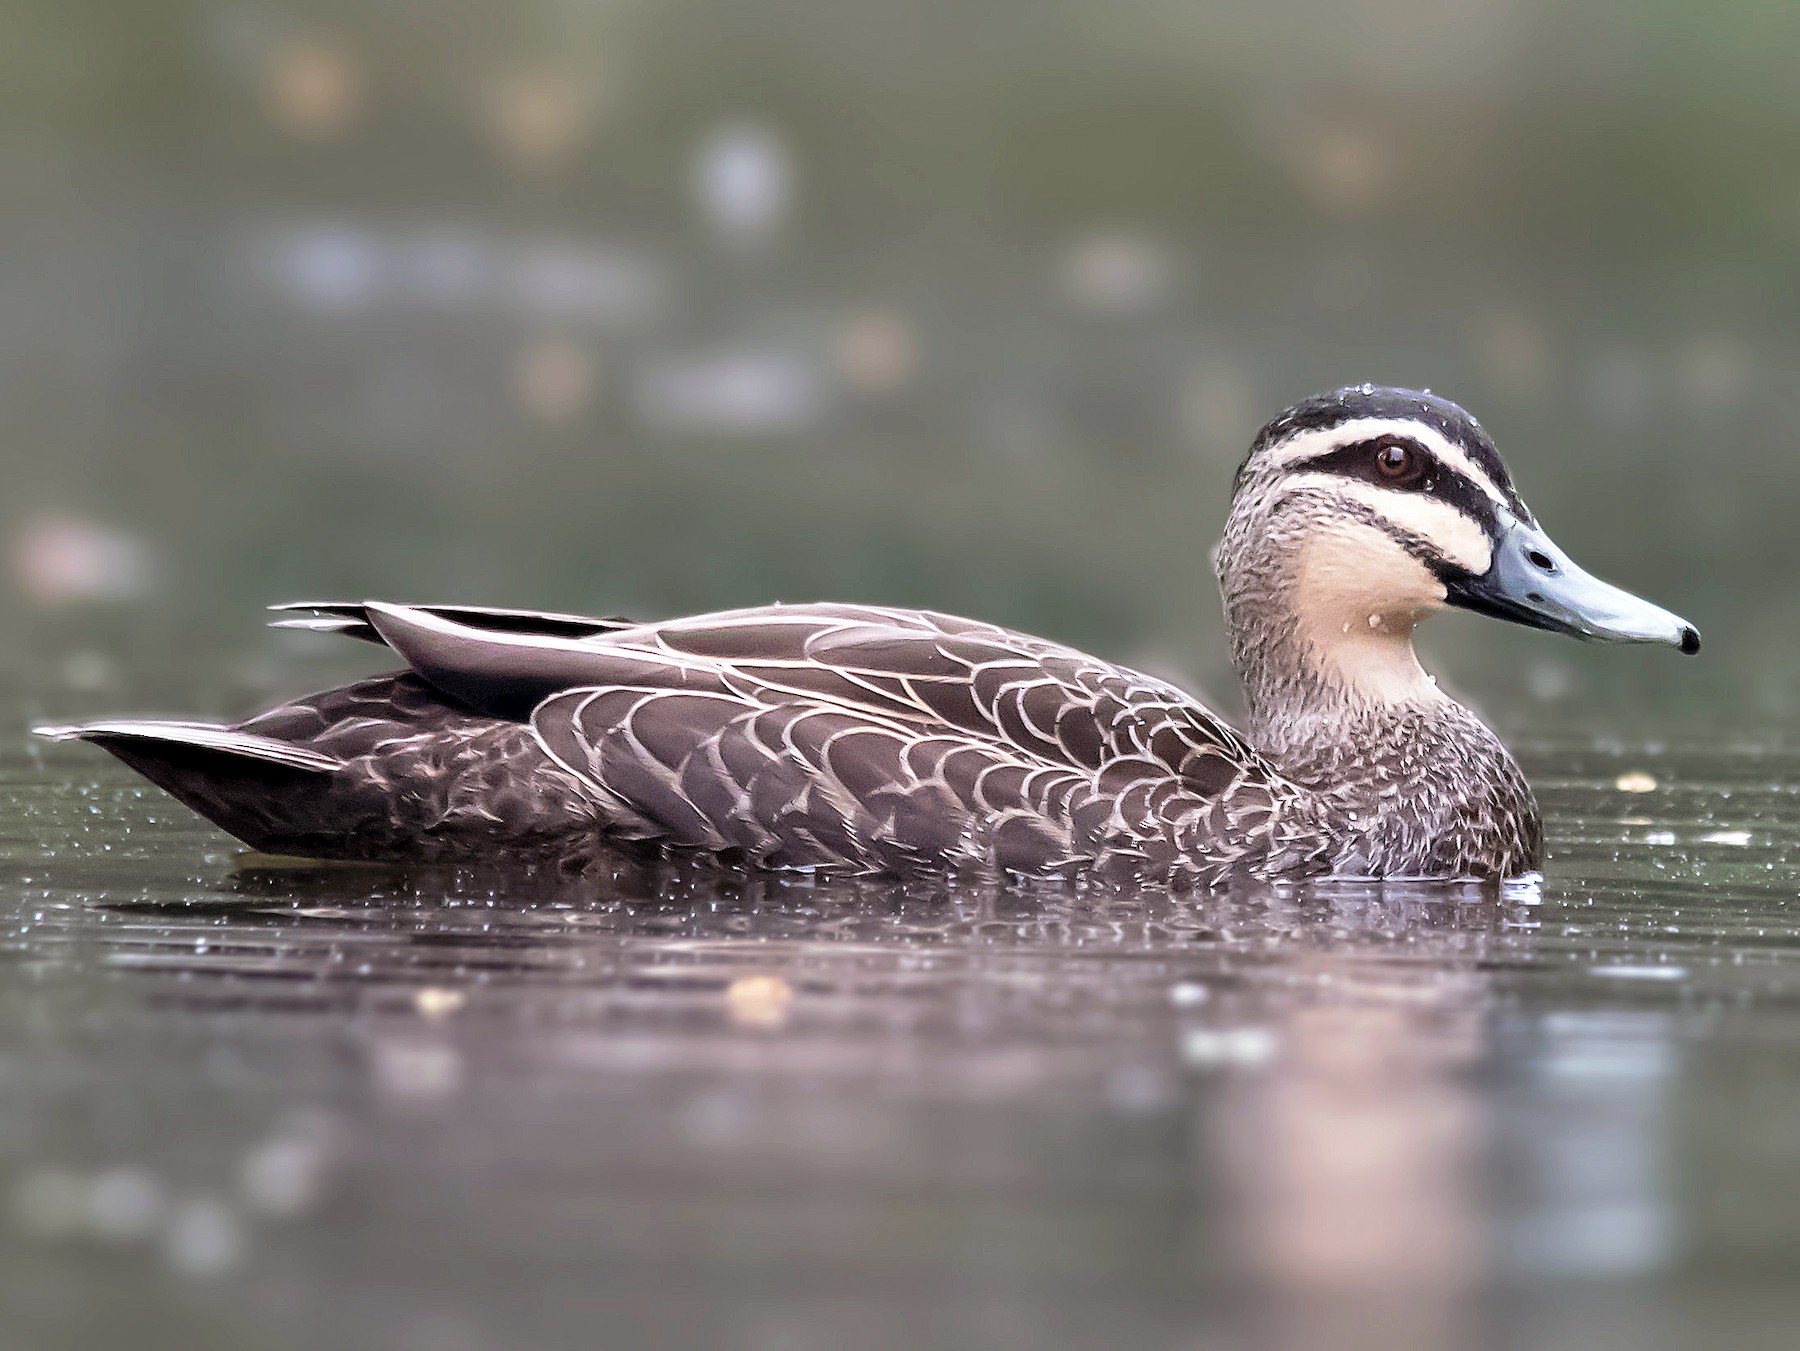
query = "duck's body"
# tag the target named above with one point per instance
(877, 740)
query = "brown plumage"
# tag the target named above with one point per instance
(893, 741)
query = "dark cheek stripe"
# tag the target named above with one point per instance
(1416, 545)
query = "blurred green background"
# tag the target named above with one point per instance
(657, 307)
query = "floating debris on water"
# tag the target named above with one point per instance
(759, 1001)
(434, 1001)
(1734, 837)
(1636, 781)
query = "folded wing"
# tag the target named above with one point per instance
(818, 735)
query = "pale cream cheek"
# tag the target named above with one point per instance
(1357, 596)
(1458, 538)
(1352, 575)
(1451, 533)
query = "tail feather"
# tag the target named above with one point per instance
(350, 619)
(255, 787)
(203, 737)
(344, 626)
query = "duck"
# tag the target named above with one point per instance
(872, 740)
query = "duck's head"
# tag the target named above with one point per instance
(1358, 513)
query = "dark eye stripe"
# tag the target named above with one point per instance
(1357, 461)
(1324, 411)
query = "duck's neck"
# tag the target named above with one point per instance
(1399, 777)
(1320, 663)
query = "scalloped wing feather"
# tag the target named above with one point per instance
(836, 735)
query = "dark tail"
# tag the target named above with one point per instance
(251, 786)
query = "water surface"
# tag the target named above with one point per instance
(350, 1107)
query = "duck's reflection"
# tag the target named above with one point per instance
(1357, 1161)
(1380, 1187)
(1378, 1135)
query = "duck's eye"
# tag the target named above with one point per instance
(1399, 463)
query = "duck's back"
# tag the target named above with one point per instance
(789, 736)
